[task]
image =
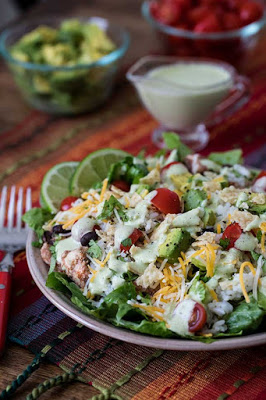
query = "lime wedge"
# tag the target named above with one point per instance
(94, 168)
(55, 185)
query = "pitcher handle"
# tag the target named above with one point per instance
(237, 99)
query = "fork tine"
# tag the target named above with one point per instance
(19, 209)
(28, 199)
(3, 207)
(11, 209)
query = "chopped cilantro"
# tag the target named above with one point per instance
(129, 276)
(109, 207)
(126, 242)
(94, 250)
(224, 243)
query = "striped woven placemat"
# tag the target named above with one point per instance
(111, 368)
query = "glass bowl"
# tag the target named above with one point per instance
(65, 89)
(235, 47)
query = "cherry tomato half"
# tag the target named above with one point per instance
(135, 236)
(2, 255)
(198, 318)
(166, 201)
(169, 165)
(261, 175)
(67, 203)
(122, 185)
(232, 232)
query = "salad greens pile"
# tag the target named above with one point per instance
(171, 245)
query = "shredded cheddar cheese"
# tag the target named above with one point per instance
(214, 295)
(219, 229)
(241, 278)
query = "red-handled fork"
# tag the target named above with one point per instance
(12, 238)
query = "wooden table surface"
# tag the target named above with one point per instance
(13, 109)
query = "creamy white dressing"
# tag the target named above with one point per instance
(117, 265)
(137, 215)
(146, 254)
(63, 245)
(246, 242)
(101, 281)
(179, 319)
(122, 232)
(190, 218)
(82, 226)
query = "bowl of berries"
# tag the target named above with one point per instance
(228, 30)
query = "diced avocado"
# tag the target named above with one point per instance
(230, 157)
(209, 217)
(97, 38)
(68, 80)
(20, 55)
(176, 241)
(71, 31)
(257, 208)
(193, 199)
(58, 54)
(41, 84)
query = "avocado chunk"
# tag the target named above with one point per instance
(257, 208)
(230, 157)
(209, 217)
(176, 241)
(193, 199)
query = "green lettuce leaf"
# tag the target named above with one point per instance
(94, 250)
(173, 141)
(245, 317)
(127, 170)
(230, 157)
(197, 290)
(36, 218)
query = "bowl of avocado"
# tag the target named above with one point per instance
(65, 66)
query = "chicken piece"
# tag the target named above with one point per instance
(75, 265)
(193, 163)
(46, 253)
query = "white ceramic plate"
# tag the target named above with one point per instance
(39, 271)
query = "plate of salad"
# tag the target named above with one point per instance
(166, 251)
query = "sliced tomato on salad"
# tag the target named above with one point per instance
(67, 203)
(132, 239)
(198, 318)
(166, 201)
(262, 174)
(122, 185)
(169, 165)
(232, 233)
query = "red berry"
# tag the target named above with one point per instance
(169, 13)
(208, 24)
(197, 14)
(231, 21)
(250, 12)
